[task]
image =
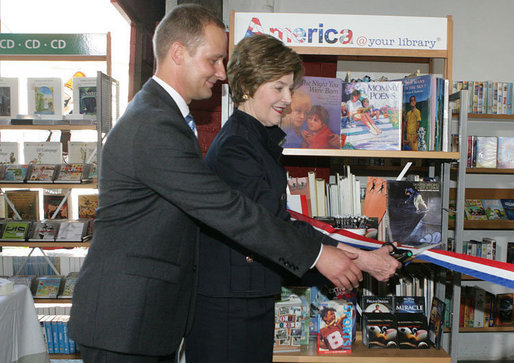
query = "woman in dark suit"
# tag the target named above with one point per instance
(234, 318)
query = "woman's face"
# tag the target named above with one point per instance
(270, 100)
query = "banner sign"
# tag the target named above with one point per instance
(501, 273)
(345, 31)
(53, 44)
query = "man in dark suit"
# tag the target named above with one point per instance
(133, 300)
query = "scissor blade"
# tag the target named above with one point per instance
(425, 248)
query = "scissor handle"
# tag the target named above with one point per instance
(400, 254)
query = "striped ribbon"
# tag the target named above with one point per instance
(501, 273)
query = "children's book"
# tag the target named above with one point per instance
(42, 173)
(72, 231)
(8, 98)
(51, 203)
(414, 212)
(16, 173)
(9, 152)
(87, 206)
(288, 325)
(486, 148)
(48, 287)
(474, 210)
(506, 152)
(314, 118)
(504, 309)
(335, 322)
(45, 96)
(70, 173)
(422, 116)
(45, 230)
(42, 152)
(15, 231)
(494, 209)
(508, 206)
(84, 95)
(371, 114)
(304, 294)
(69, 285)
(26, 203)
(81, 152)
(375, 200)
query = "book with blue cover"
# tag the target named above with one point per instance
(508, 206)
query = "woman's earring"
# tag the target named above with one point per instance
(245, 97)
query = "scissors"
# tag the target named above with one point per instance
(404, 256)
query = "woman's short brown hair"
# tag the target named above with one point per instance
(259, 59)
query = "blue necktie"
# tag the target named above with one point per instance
(191, 122)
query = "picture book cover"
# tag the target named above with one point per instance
(508, 206)
(370, 115)
(304, 294)
(52, 202)
(26, 203)
(420, 99)
(335, 322)
(72, 231)
(69, 285)
(81, 152)
(288, 325)
(45, 96)
(375, 200)
(42, 173)
(44, 231)
(474, 210)
(15, 173)
(313, 120)
(42, 152)
(414, 211)
(8, 98)
(494, 209)
(506, 152)
(48, 287)
(15, 231)
(9, 152)
(70, 173)
(84, 95)
(323, 293)
(409, 304)
(504, 309)
(486, 149)
(87, 206)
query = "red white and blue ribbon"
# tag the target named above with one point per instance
(501, 273)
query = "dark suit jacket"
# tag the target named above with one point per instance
(246, 155)
(135, 288)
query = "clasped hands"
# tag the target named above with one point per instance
(343, 265)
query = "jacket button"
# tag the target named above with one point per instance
(249, 259)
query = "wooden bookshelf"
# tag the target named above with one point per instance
(361, 354)
(373, 154)
(489, 116)
(45, 244)
(486, 224)
(52, 301)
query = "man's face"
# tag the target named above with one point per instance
(204, 67)
(329, 317)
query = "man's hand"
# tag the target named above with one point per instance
(378, 263)
(338, 266)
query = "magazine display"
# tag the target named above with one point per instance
(370, 115)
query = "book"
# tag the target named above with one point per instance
(72, 231)
(474, 210)
(51, 203)
(436, 322)
(375, 200)
(508, 206)
(42, 173)
(81, 152)
(379, 127)
(510, 252)
(45, 96)
(318, 124)
(84, 96)
(422, 121)
(414, 212)
(288, 325)
(493, 209)
(335, 321)
(69, 285)
(15, 231)
(486, 149)
(304, 294)
(379, 330)
(8, 98)
(9, 152)
(377, 304)
(42, 152)
(16, 173)
(45, 230)
(48, 287)
(505, 152)
(300, 186)
(71, 173)
(412, 331)
(26, 203)
(87, 204)
(504, 309)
